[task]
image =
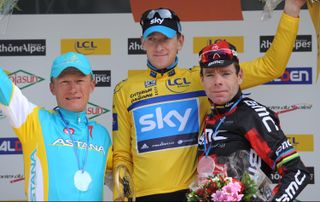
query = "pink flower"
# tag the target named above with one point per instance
(230, 192)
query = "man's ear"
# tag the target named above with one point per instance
(180, 41)
(92, 85)
(52, 88)
(240, 76)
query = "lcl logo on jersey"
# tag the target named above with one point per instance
(10, 146)
(24, 79)
(178, 85)
(94, 110)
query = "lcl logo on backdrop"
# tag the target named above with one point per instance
(102, 78)
(24, 79)
(26, 47)
(200, 42)
(135, 47)
(294, 75)
(86, 46)
(10, 145)
(302, 142)
(303, 43)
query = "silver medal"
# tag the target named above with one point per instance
(82, 180)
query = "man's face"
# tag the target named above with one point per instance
(161, 50)
(72, 90)
(221, 84)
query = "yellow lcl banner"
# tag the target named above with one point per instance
(86, 46)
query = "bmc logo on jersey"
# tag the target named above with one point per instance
(10, 146)
(294, 75)
(166, 125)
(24, 79)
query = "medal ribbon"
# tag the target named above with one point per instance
(75, 149)
(221, 120)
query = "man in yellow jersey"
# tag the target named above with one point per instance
(157, 113)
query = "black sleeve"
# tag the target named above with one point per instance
(268, 140)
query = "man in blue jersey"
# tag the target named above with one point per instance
(65, 154)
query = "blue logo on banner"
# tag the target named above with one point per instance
(10, 146)
(294, 75)
(166, 125)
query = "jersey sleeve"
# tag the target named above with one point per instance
(13, 103)
(273, 63)
(121, 131)
(270, 143)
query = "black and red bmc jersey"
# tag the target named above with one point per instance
(250, 126)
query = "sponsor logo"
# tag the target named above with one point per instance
(263, 114)
(200, 42)
(33, 175)
(178, 85)
(102, 78)
(290, 191)
(24, 79)
(164, 126)
(303, 43)
(150, 83)
(93, 110)
(275, 176)
(22, 47)
(211, 136)
(10, 146)
(12, 178)
(86, 46)
(290, 108)
(79, 145)
(284, 146)
(294, 75)
(135, 47)
(143, 94)
(302, 142)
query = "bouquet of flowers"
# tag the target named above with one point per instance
(221, 188)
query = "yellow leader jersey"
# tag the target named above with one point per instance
(157, 117)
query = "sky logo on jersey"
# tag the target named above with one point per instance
(24, 79)
(200, 42)
(302, 142)
(93, 110)
(10, 146)
(294, 75)
(167, 125)
(86, 46)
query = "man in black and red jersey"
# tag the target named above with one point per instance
(241, 134)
